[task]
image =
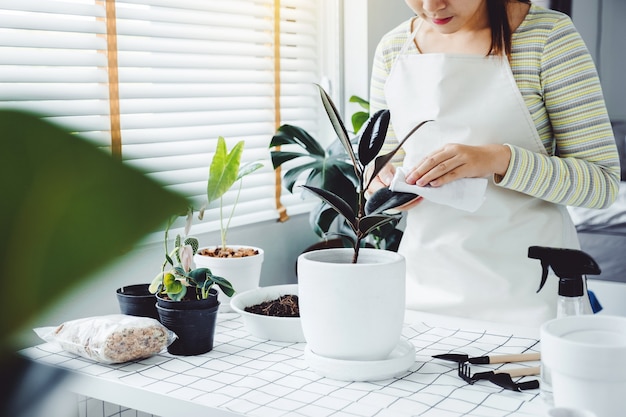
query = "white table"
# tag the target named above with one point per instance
(245, 376)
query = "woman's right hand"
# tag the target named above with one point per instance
(383, 179)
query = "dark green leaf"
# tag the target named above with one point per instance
(321, 218)
(383, 160)
(199, 275)
(294, 135)
(336, 202)
(280, 157)
(370, 223)
(193, 242)
(385, 199)
(373, 136)
(338, 125)
(224, 285)
(294, 173)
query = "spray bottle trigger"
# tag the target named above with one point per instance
(544, 274)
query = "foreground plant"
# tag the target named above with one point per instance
(370, 143)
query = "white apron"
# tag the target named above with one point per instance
(473, 264)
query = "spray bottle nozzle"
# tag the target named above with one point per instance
(568, 264)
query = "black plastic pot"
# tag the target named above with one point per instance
(136, 300)
(192, 321)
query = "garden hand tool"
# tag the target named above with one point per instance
(461, 358)
(502, 378)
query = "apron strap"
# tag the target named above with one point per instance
(409, 40)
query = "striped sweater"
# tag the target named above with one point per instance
(559, 83)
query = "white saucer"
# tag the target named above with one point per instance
(398, 361)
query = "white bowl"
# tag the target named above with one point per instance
(281, 329)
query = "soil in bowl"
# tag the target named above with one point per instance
(283, 306)
(220, 252)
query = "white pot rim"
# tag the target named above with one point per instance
(342, 257)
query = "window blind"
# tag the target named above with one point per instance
(189, 71)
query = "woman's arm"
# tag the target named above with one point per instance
(583, 169)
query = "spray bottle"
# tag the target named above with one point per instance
(569, 265)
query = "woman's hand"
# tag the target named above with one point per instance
(382, 180)
(454, 161)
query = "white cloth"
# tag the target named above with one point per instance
(464, 194)
(473, 264)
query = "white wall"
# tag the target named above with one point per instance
(365, 22)
(601, 24)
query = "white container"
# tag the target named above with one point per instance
(586, 356)
(568, 412)
(352, 311)
(281, 329)
(243, 273)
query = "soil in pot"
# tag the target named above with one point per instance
(220, 252)
(283, 306)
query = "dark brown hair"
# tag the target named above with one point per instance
(500, 27)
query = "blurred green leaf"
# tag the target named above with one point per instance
(67, 209)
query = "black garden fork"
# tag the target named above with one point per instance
(502, 378)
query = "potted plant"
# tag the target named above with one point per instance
(186, 299)
(330, 169)
(352, 300)
(240, 264)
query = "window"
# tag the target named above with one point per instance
(155, 82)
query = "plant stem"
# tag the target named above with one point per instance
(224, 230)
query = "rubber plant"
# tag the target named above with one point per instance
(330, 169)
(370, 143)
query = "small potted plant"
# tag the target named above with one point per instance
(186, 298)
(352, 300)
(241, 264)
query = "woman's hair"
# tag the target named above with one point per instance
(500, 27)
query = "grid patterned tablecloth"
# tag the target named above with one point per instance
(243, 375)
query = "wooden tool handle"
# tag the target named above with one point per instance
(521, 357)
(526, 371)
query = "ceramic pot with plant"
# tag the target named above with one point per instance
(352, 301)
(241, 264)
(187, 300)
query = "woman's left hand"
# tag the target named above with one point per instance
(454, 161)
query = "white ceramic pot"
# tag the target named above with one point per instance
(585, 355)
(352, 311)
(243, 273)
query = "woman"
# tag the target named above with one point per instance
(514, 97)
